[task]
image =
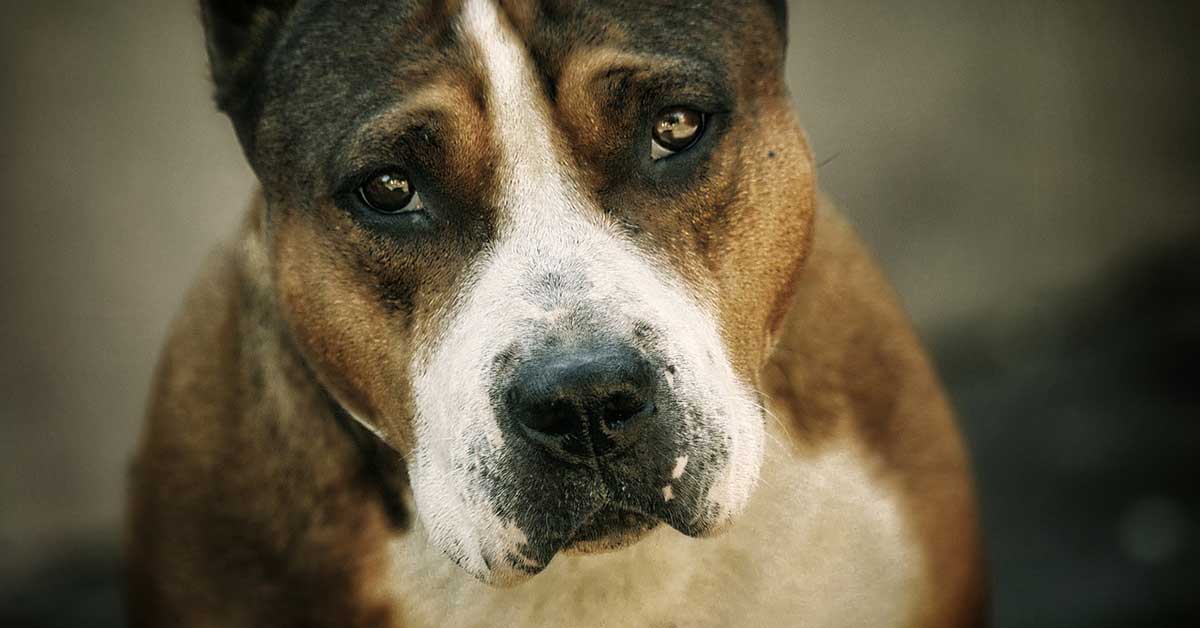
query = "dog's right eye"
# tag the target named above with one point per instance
(390, 192)
(676, 129)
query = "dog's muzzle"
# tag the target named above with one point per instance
(574, 404)
(597, 431)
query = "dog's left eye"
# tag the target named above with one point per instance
(389, 192)
(676, 129)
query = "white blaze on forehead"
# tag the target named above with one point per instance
(533, 176)
(452, 402)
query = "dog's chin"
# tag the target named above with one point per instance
(609, 530)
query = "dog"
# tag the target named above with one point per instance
(539, 320)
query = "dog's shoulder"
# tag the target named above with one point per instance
(240, 464)
(192, 399)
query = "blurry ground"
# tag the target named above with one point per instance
(1026, 172)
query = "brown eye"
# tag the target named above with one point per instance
(389, 192)
(675, 130)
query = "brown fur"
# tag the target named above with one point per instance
(232, 506)
(247, 498)
(252, 505)
(849, 363)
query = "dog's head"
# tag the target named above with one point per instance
(539, 248)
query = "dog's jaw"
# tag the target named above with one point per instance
(463, 471)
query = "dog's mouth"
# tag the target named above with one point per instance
(662, 480)
(571, 465)
(618, 520)
(540, 510)
(608, 529)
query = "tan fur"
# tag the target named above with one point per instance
(217, 459)
(252, 505)
(232, 512)
(849, 364)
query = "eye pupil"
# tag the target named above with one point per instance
(387, 192)
(677, 128)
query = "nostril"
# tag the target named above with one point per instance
(622, 408)
(556, 418)
(551, 416)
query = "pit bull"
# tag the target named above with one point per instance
(539, 319)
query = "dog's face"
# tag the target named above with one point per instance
(541, 249)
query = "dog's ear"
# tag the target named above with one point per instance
(780, 9)
(240, 34)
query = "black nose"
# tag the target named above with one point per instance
(582, 403)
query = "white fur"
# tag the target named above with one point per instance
(821, 545)
(680, 466)
(547, 225)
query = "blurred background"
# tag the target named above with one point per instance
(1027, 172)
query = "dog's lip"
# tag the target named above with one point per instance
(631, 510)
(608, 526)
(608, 522)
(621, 512)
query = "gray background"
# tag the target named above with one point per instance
(1026, 171)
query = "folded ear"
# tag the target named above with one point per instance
(780, 8)
(240, 34)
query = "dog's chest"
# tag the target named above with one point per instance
(821, 545)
